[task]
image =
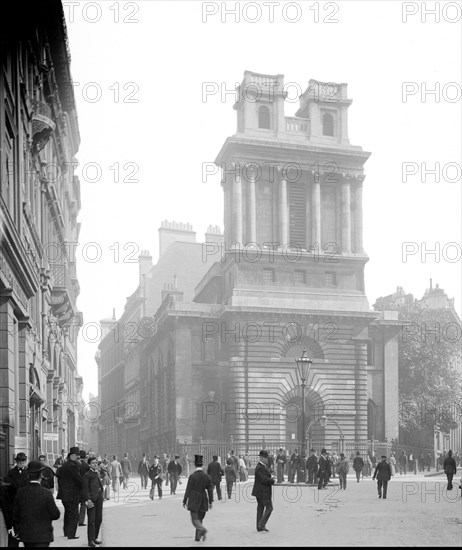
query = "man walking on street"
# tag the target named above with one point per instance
(174, 470)
(93, 495)
(34, 510)
(358, 465)
(262, 491)
(450, 468)
(281, 459)
(164, 463)
(312, 467)
(143, 471)
(215, 471)
(198, 497)
(69, 489)
(155, 474)
(383, 474)
(116, 474)
(343, 469)
(126, 469)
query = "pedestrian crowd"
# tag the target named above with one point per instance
(83, 481)
(27, 502)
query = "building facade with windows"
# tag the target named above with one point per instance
(39, 203)
(288, 275)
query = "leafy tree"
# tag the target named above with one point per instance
(430, 384)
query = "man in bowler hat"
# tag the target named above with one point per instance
(383, 474)
(69, 491)
(198, 497)
(262, 491)
(34, 510)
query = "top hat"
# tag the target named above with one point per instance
(198, 460)
(35, 466)
(21, 456)
(74, 451)
(264, 453)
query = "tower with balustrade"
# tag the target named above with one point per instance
(290, 274)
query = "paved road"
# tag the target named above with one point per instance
(419, 511)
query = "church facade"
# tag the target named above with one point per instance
(287, 275)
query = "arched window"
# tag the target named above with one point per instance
(264, 117)
(327, 125)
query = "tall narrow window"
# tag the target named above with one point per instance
(327, 125)
(264, 118)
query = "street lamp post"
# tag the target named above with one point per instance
(303, 366)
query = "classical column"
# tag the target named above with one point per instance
(226, 212)
(283, 229)
(316, 212)
(359, 217)
(251, 212)
(346, 217)
(308, 217)
(237, 213)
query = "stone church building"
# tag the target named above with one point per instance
(287, 274)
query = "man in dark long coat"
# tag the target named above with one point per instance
(93, 494)
(262, 490)
(174, 470)
(312, 467)
(323, 470)
(383, 474)
(281, 459)
(16, 478)
(450, 468)
(83, 469)
(216, 472)
(69, 491)
(143, 471)
(198, 497)
(34, 510)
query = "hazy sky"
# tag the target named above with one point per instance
(146, 128)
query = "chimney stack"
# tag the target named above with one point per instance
(145, 263)
(214, 235)
(170, 232)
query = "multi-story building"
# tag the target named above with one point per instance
(288, 275)
(123, 387)
(39, 203)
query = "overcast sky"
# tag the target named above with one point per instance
(141, 67)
